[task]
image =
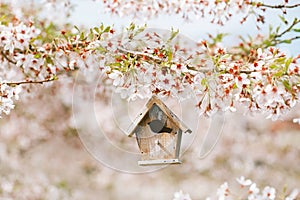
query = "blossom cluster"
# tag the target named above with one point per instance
(270, 84)
(16, 36)
(7, 95)
(140, 62)
(218, 11)
(249, 190)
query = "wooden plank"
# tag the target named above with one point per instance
(159, 162)
(160, 146)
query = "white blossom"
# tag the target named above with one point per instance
(269, 193)
(223, 191)
(244, 182)
(117, 77)
(181, 196)
(293, 195)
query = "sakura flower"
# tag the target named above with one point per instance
(117, 77)
(181, 196)
(253, 192)
(274, 94)
(166, 81)
(223, 191)
(243, 182)
(269, 193)
(178, 68)
(7, 186)
(293, 195)
(242, 80)
(256, 76)
(294, 69)
(7, 94)
(257, 66)
(28, 62)
(296, 120)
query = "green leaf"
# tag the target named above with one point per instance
(286, 41)
(277, 29)
(219, 37)
(280, 60)
(234, 86)
(77, 28)
(107, 29)
(37, 55)
(173, 35)
(296, 29)
(2, 17)
(203, 82)
(288, 62)
(170, 55)
(116, 64)
(282, 18)
(287, 85)
(140, 29)
(97, 30)
(49, 60)
(81, 36)
(273, 66)
(131, 27)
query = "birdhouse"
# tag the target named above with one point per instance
(158, 132)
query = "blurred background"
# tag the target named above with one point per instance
(50, 149)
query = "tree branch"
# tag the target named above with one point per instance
(279, 6)
(158, 60)
(30, 81)
(284, 41)
(7, 58)
(295, 22)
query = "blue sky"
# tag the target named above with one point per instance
(91, 14)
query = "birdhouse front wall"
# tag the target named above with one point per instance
(157, 147)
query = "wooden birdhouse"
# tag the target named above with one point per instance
(158, 132)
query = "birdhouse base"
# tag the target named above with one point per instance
(159, 162)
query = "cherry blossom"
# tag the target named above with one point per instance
(269, 193)
(252, 192)
(293, 195)
(244, 182)
(181, 196)
(223, 191)
(217, 11)
(7, 96)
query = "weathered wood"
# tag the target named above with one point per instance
(159, 162)
(155, 100)
(158, 132)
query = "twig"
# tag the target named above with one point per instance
(158, 60)
(140, 55)
(283, 41)
(278, 6)
(7, 58)
(31, 81)
(295, 22)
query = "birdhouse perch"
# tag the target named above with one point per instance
(158, 132)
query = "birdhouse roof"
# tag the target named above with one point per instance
(155, 100)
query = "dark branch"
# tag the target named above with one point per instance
(284, 41)
(31, 81)
(295, 22)
(158, 60)
(7, 58)
(280, 6)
